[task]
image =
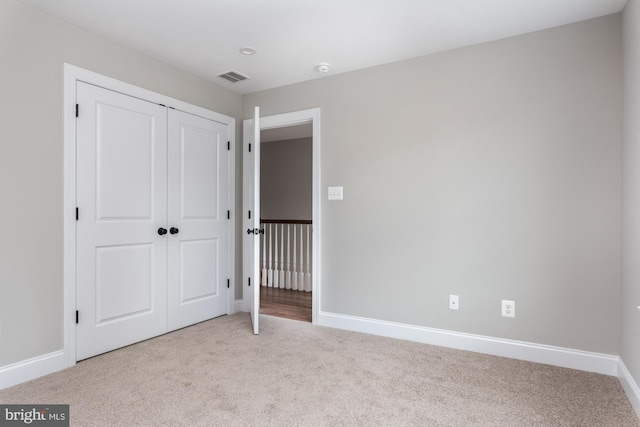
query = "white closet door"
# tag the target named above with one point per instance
(122, 201)
(198, 223)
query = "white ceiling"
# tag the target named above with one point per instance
(292, 36)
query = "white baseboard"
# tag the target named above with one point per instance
(33, 368)
(629, 385)
(557, 356)
(238, 306)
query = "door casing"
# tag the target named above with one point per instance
(73, 74)
(284, 120)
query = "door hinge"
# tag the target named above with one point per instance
(249, 147)
(77, 110)
(77, 213)
(228, 145)
(228, 283)
(249, 214)
(228, 214)
(249, 281)
(77, 317)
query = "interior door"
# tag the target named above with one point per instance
(122, 206)
(251, 164)
(198, 223)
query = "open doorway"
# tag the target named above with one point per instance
(252, 268)
(286, 206)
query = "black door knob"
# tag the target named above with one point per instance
(162, 231)
(249, 230)
(174, 230)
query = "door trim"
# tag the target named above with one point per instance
(72, 75)
(291, 119)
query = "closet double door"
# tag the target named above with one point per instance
(152, 233)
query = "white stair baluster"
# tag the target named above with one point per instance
(294, 284)
(307, 267)
(263, 276)
(276, 273)
(288, 273)
(270, 265)
(281, 263)
(301, 262)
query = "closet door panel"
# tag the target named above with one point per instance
(197, 173)
(199, 181)
(122, 199)
(199, 269)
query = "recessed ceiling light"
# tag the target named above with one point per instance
(247, 51)
(323, 67)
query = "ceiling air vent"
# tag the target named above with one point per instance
(233, 76)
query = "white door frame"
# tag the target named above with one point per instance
(73, 74)
(291, 119)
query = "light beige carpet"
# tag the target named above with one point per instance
(295, 374)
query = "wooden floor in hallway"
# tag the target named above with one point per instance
(287, 303)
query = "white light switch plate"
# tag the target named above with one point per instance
(335, 193)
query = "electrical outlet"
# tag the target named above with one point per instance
(335, 193)
(508, 308)
(453, 302)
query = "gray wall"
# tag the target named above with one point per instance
(33, 48)
(285, 179)
(630, 348)
(491, 172)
